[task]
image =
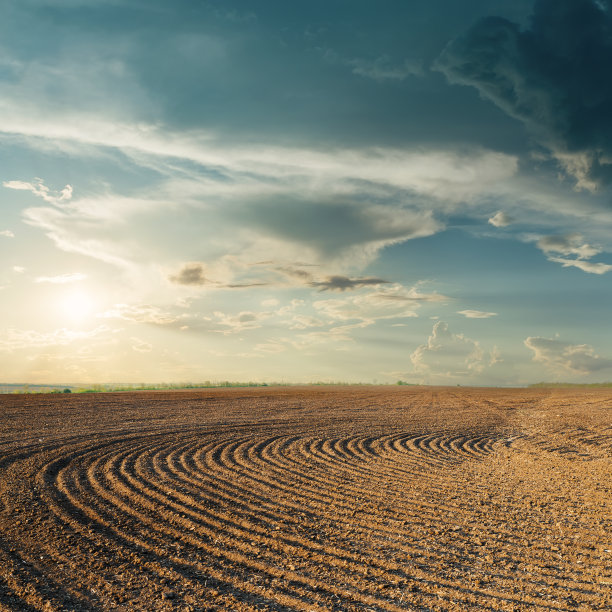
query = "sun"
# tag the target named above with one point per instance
(77, 305)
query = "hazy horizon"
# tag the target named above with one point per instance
(306, 191)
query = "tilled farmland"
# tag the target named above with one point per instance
(307, 498)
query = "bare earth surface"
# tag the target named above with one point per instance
(307, 498)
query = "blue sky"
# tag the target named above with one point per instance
(339, 190)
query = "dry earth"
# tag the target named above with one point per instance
(313, 498)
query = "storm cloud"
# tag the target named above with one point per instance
(553, 76)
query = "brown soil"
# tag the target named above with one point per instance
(312, 498)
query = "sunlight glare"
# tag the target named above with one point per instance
(77, 305)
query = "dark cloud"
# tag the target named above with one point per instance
(553, 76)
(244, 285)
(190, 274)
(293, 272)
(252, 72)
(334, 282)
(344, 283)
(333, 229)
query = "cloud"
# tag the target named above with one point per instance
(39, 189)
(339, 334)
(15, 339)
(384, 69)
(294, 272)
(552, 76)
(572, 244)
(477, 314)
(339, 230)
(568, 244)
(339, 207)
(561, 358)
(96, 227)
(19, 269)
(391, 302)
(501, 219)
(344, 283)
(495, 356)
(7, 234)
(585, 266)
(140, 346)
(335, 282)
(446, 355)
(244, 320)
(305, 322)
(190, 274)
(62, 278)
(140, 313)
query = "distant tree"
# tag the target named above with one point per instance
(66, 390)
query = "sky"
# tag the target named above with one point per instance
(337, 190)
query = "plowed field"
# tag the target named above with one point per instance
(307, 498)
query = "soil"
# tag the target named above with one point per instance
(307, 498)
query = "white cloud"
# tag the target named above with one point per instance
(140, 346)
(7, 234)
(495, 356)
(19, 269)
(568, 244)
(244, 320)
(572, 245)
(62, 278)
(561, 358)
(449, 175)
(476, 314)
(305, 321)
(39, 189)
(340, 334)
(501, 219)
(15, 339)
(376, 196)
(390, 302)
(447, 356)
(140, 313)
(585, 266)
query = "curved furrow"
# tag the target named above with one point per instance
(353, 569)
(502, 522)
(397, 499)
(152, 540)
(67, 501)
(336, 508)
(121, 538)
(242, 543)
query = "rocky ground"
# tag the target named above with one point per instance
(307, 498)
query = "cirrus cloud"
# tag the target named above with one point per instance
(62, 279)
